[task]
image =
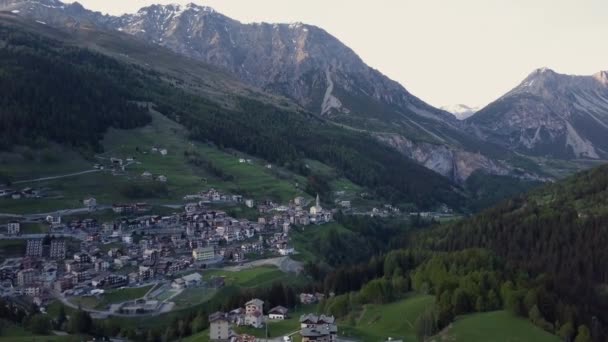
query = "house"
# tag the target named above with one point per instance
(278, 313)
(318, 328)
(14, 228)
(345, 204)
(249, 203)
(244, 338)
(312, 320)
(90, 203)
(58, 249)
(286, 251)
(219, 327)
(33, 248)
(162, 179)
(163, 151)
(254, 313)
(203, 253)
(255, 319)
(253, 306)
(146, 174)
(26, 277)
(54, 221)
(191, 280)
(324, 333)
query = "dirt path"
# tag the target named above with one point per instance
(56, 177)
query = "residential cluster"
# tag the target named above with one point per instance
(80, 257)
(311, 327)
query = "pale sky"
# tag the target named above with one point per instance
(445, 52)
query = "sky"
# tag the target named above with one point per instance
(445, 52)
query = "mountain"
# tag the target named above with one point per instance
(460, 111)
(550, 114)
(305, 64)
(215, 108)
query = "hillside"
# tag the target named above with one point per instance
(557, 235)
(550, 114)
(309, 66)
(262, 127)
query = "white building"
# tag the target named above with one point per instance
(90, 203)
(203, 253)
(14, 228)
(219, 327)
(316, 209)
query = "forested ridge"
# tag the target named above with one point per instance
(559, 231)
(53, 91)
(541, 256)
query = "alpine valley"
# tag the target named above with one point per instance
(175, 174)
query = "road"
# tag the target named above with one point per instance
(61, 212)
(56, 177)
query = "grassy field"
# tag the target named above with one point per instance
(12, 248)
(34, 228)
(496, 326)
(193, 296)
(280, 328)
(254, 179)
(396, 320)
(252, 277)
(10, 332)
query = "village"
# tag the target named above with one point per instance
(79, 260)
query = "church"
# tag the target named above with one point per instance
(316, 209)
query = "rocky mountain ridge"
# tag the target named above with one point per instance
(550, 114)
(301, 62)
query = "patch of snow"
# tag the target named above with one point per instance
(15, 11)
(460, 111)
(40, 22)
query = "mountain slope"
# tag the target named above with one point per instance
(305, 64)
(556, 236)
(258, 125)
(550, 114)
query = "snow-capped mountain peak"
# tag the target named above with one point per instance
(460, 111)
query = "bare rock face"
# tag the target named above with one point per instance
(455, 164)
(550, 114)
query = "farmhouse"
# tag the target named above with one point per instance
(278, 313)
(90, 203)
(318, 328)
